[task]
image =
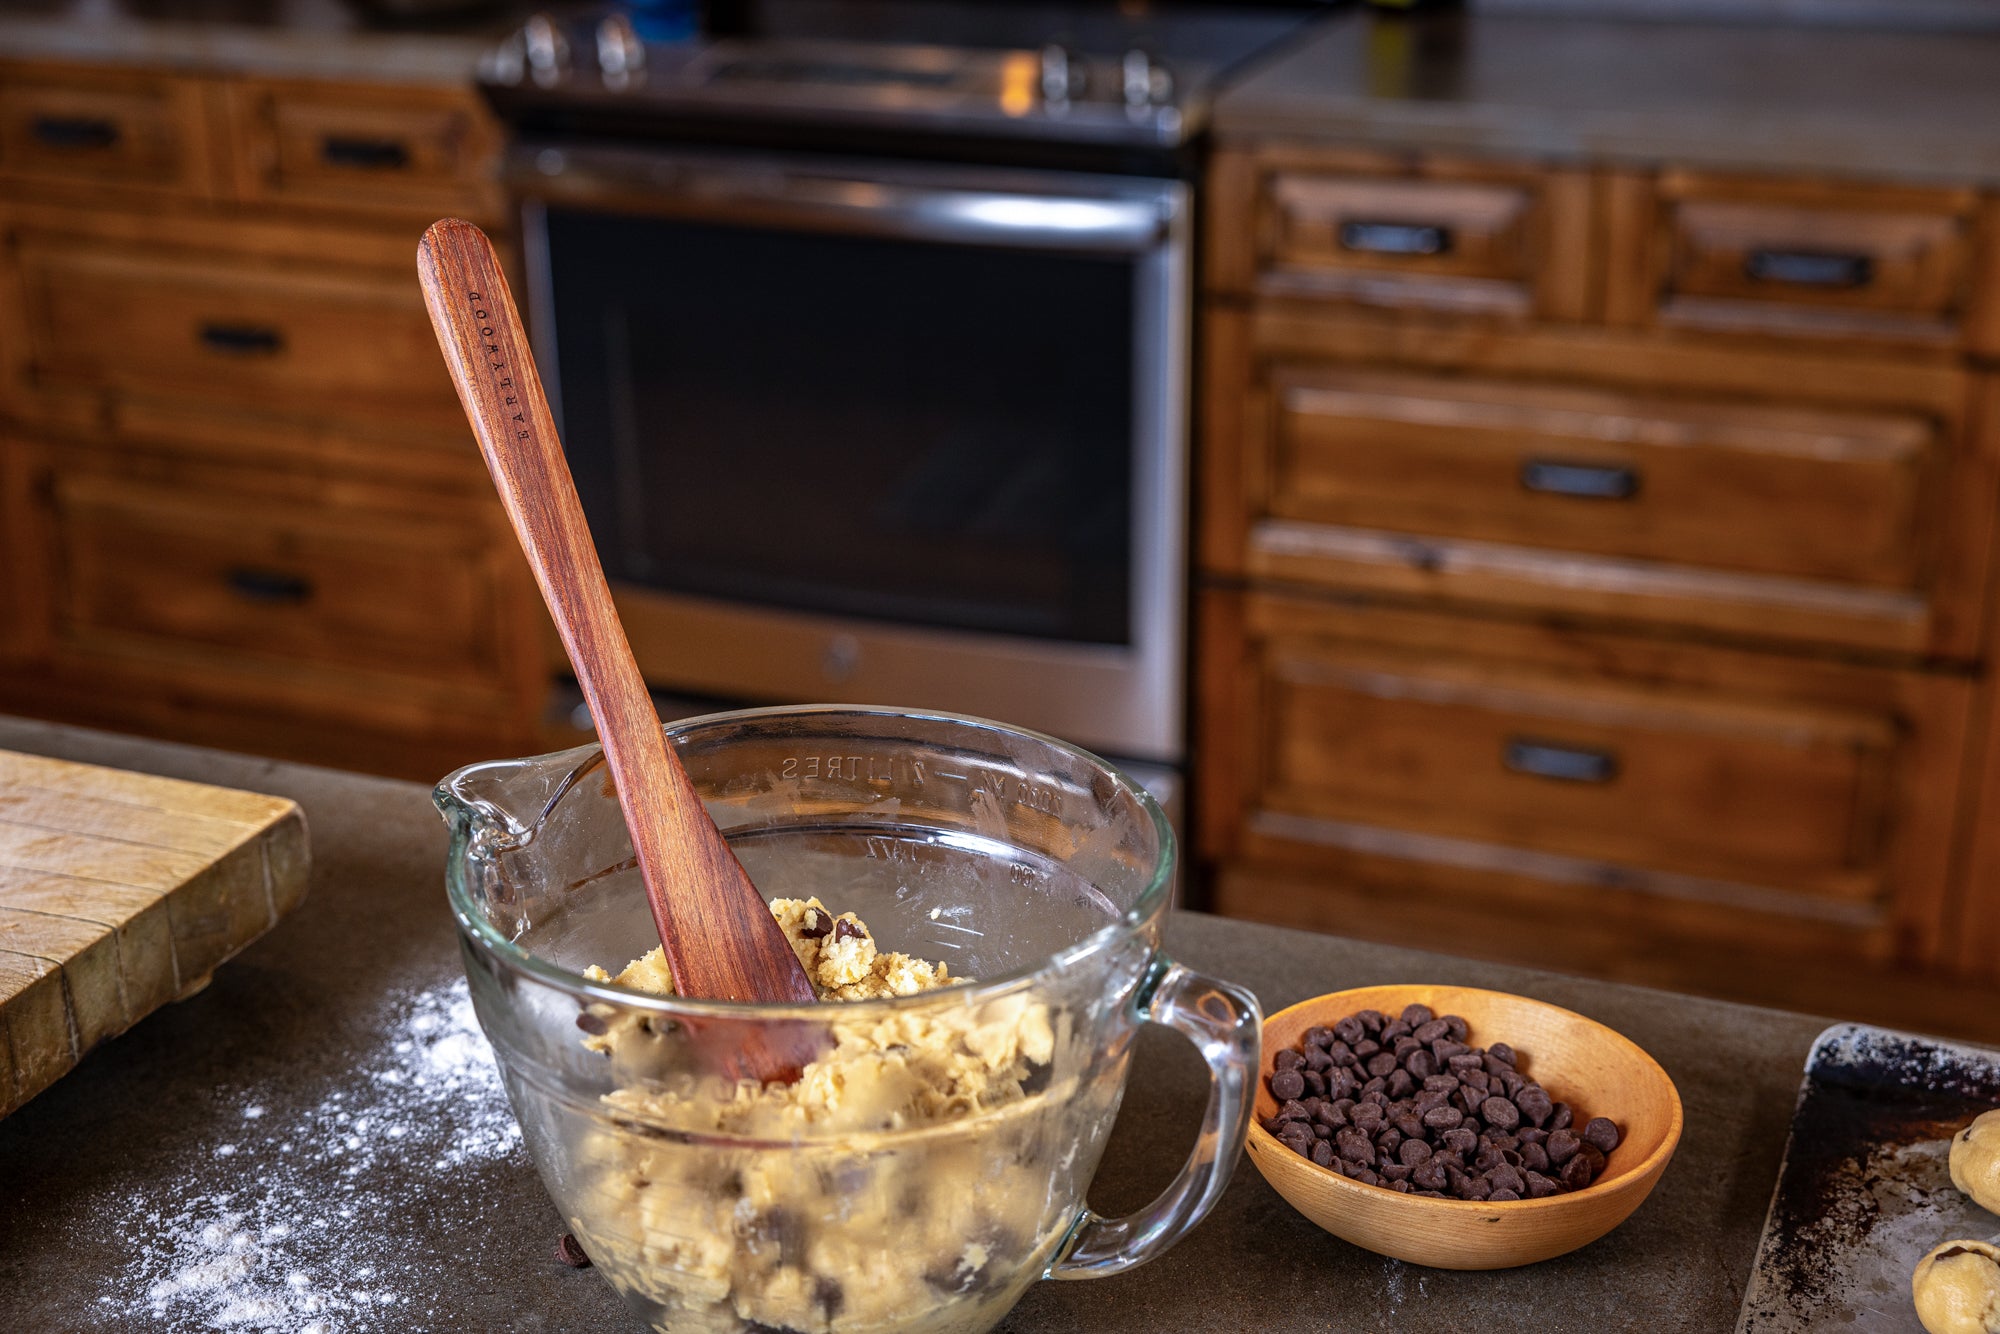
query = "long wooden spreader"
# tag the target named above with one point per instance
(720, 939)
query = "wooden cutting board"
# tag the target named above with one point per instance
(118, 893)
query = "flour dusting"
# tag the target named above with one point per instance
(294, 1226)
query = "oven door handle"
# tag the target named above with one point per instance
(789, 198)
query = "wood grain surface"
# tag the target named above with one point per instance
(118, 893)
(720, 939)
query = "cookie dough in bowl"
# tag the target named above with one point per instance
(813, 1210)
(1957, 1288)
(979, 909)
(1975, 1160)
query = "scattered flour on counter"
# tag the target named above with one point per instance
(296, 1228)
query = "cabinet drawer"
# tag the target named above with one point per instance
(1789, 258)
(107, 127)
(365, 147)
(1735, 779)
(326, 342)
(156, 571)
(1479, 239)
(1733, 486)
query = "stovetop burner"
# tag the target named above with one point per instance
(1135, 75)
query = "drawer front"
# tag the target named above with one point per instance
(152, 570)
(366, 147)
(102, 127)
(1824, 496)
(324, 343)
(1491, 240)
(1679, 782)
(1888, 264)
(1723, 781)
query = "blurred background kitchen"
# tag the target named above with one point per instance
(1517, 478)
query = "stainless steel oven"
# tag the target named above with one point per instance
(877, 430)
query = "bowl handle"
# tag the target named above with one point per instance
(1223, 1021)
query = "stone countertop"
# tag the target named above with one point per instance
(325, 39)
(320, 1123)
(1898, 105)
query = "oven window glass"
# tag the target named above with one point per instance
(931, 434)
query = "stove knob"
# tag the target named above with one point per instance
(1063, 75)
(1147, 83)
(547, 48)
(621, 57)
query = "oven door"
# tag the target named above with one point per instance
(878, 432)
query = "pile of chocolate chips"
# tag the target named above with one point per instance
(1404, 1103)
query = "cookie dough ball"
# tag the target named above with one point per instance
(1975, 1161)
(1957, 1288)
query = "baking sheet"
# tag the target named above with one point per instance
(1865, 1189)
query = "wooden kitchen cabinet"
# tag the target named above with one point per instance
(242, 503)
(1638, 622)
(69, 125)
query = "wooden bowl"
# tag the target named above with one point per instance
(1579, 1061)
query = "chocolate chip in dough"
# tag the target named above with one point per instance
(844, 929)
(815, 924)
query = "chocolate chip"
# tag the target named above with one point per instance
(828, 1296)
(845, 929)
(1601, 1134)
(590, 1023)
(1443, 1118)
(570, 1252)
(1435, 1117)
(814, 924)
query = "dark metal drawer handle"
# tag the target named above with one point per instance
(243, 340)
(1590, 481)
(1567, 764)
(1809, 268)
(272, 586)
(1395, 238)
(76, 131)
(368, 154)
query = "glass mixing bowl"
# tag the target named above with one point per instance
(933, 1160)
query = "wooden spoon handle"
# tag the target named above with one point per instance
(720, 939)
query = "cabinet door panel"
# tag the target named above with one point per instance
(102, 126)
(155, 570)
(1715, 484)
(233, 332)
